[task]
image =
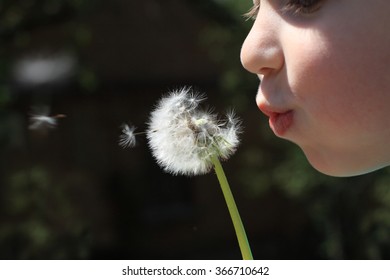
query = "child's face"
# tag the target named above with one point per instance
(325, 79)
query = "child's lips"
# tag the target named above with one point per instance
(279, 120)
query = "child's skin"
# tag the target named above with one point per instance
(325, 79)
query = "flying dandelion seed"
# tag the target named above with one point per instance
(127, 138)
(42, 120)
(184, 138)
(44, 69)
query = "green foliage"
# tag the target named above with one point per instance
(41, 218)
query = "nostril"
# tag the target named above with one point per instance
(264, 72)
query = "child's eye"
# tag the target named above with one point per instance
(301, 6)
(290, 6)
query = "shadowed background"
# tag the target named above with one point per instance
(73, 193)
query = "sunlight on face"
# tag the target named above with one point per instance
(325, 79)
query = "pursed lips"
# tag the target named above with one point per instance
(280, 120)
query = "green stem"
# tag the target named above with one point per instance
(234, 214)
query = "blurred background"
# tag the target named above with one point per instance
(72, 193)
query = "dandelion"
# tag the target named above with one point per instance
(42, 120)
(184, 139)
(127, 138)
(187, 140)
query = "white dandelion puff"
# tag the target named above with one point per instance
(184, 139)
(127, 138)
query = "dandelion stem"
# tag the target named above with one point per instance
(234, 214)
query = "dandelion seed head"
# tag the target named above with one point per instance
(184, 138)
(127, 138)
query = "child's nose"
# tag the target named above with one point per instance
(261, 51)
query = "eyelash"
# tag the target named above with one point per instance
(303, 7)
(252, 13)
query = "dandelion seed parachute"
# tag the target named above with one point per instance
(183, 138)
(40, 119)
(127, 138)
(41, 122)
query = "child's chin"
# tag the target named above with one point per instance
(340, 173)
(337, 166)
